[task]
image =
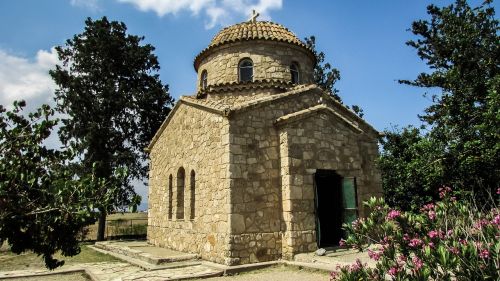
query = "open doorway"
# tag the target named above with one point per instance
(335, 204)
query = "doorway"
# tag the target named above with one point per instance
(335, 203)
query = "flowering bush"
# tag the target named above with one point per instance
(447, 240)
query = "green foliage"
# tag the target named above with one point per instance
(110, 91)
(324, 75)
(447, 240)
(43, 205)
(462, 145)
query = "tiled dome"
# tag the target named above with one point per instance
(246, 31)
(255, 30)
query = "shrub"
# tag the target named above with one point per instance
(446, 240)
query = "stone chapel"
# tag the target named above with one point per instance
(260, 164)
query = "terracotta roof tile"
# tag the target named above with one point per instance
(260, 30)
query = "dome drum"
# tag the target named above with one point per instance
(272, 50)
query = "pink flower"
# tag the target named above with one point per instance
(431, 214)
(443, 191)
(484, 254)
(393, 271)
(429, 206)
(393, 214)
(357, 266)
(454, 250)
(415, 242)
(373, 255)
(432, 234)
(406, 237)
(417, 262)
(496, 220)
(333, 275)
(342, 242)
(498, 190)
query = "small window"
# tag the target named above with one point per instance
(246, 70)
(192, 182)
(294, 71)
(180, 194)
(170, 194)
(204, 80)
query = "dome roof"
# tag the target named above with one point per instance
(255, 30)
(245, 31)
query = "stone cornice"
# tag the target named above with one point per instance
(249, 85)
(314, 110)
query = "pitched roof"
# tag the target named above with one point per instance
(223, 109)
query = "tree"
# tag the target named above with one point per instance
(325, 76)
(110, 91)
(460, 45)
(43, 206)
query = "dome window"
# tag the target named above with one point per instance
(294, 71)
(204, 80)
(245, 70)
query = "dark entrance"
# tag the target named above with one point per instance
(335, 204)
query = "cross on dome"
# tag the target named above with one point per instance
(254, 16)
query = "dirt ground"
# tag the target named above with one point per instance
(278, 273)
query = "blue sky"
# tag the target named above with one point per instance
(364, 39)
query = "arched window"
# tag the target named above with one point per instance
(204, 80)
(245, 70)
(294, 71)
(192, 183)
(170, 194)
(180, 194)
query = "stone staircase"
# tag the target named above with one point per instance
(151, 258)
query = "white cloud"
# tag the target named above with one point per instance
(21, 78)
(220, 12)
(92, 5)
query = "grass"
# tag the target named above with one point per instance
(10, 261)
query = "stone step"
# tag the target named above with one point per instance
(153, 259)
(151, 266)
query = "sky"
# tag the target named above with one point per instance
(364, 39)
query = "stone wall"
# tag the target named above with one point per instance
(271, 60)
(321, 141)
(272, 196)
(196, 140)
(254, 175)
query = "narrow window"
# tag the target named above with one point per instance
(170, 194)
(193, 194)
(180, 194)
(294, 71)
(245, 70)
(204, 80)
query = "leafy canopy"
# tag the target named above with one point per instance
(43, 206)
(110, 91)
(460, 45)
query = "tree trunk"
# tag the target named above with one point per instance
(102, 225)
